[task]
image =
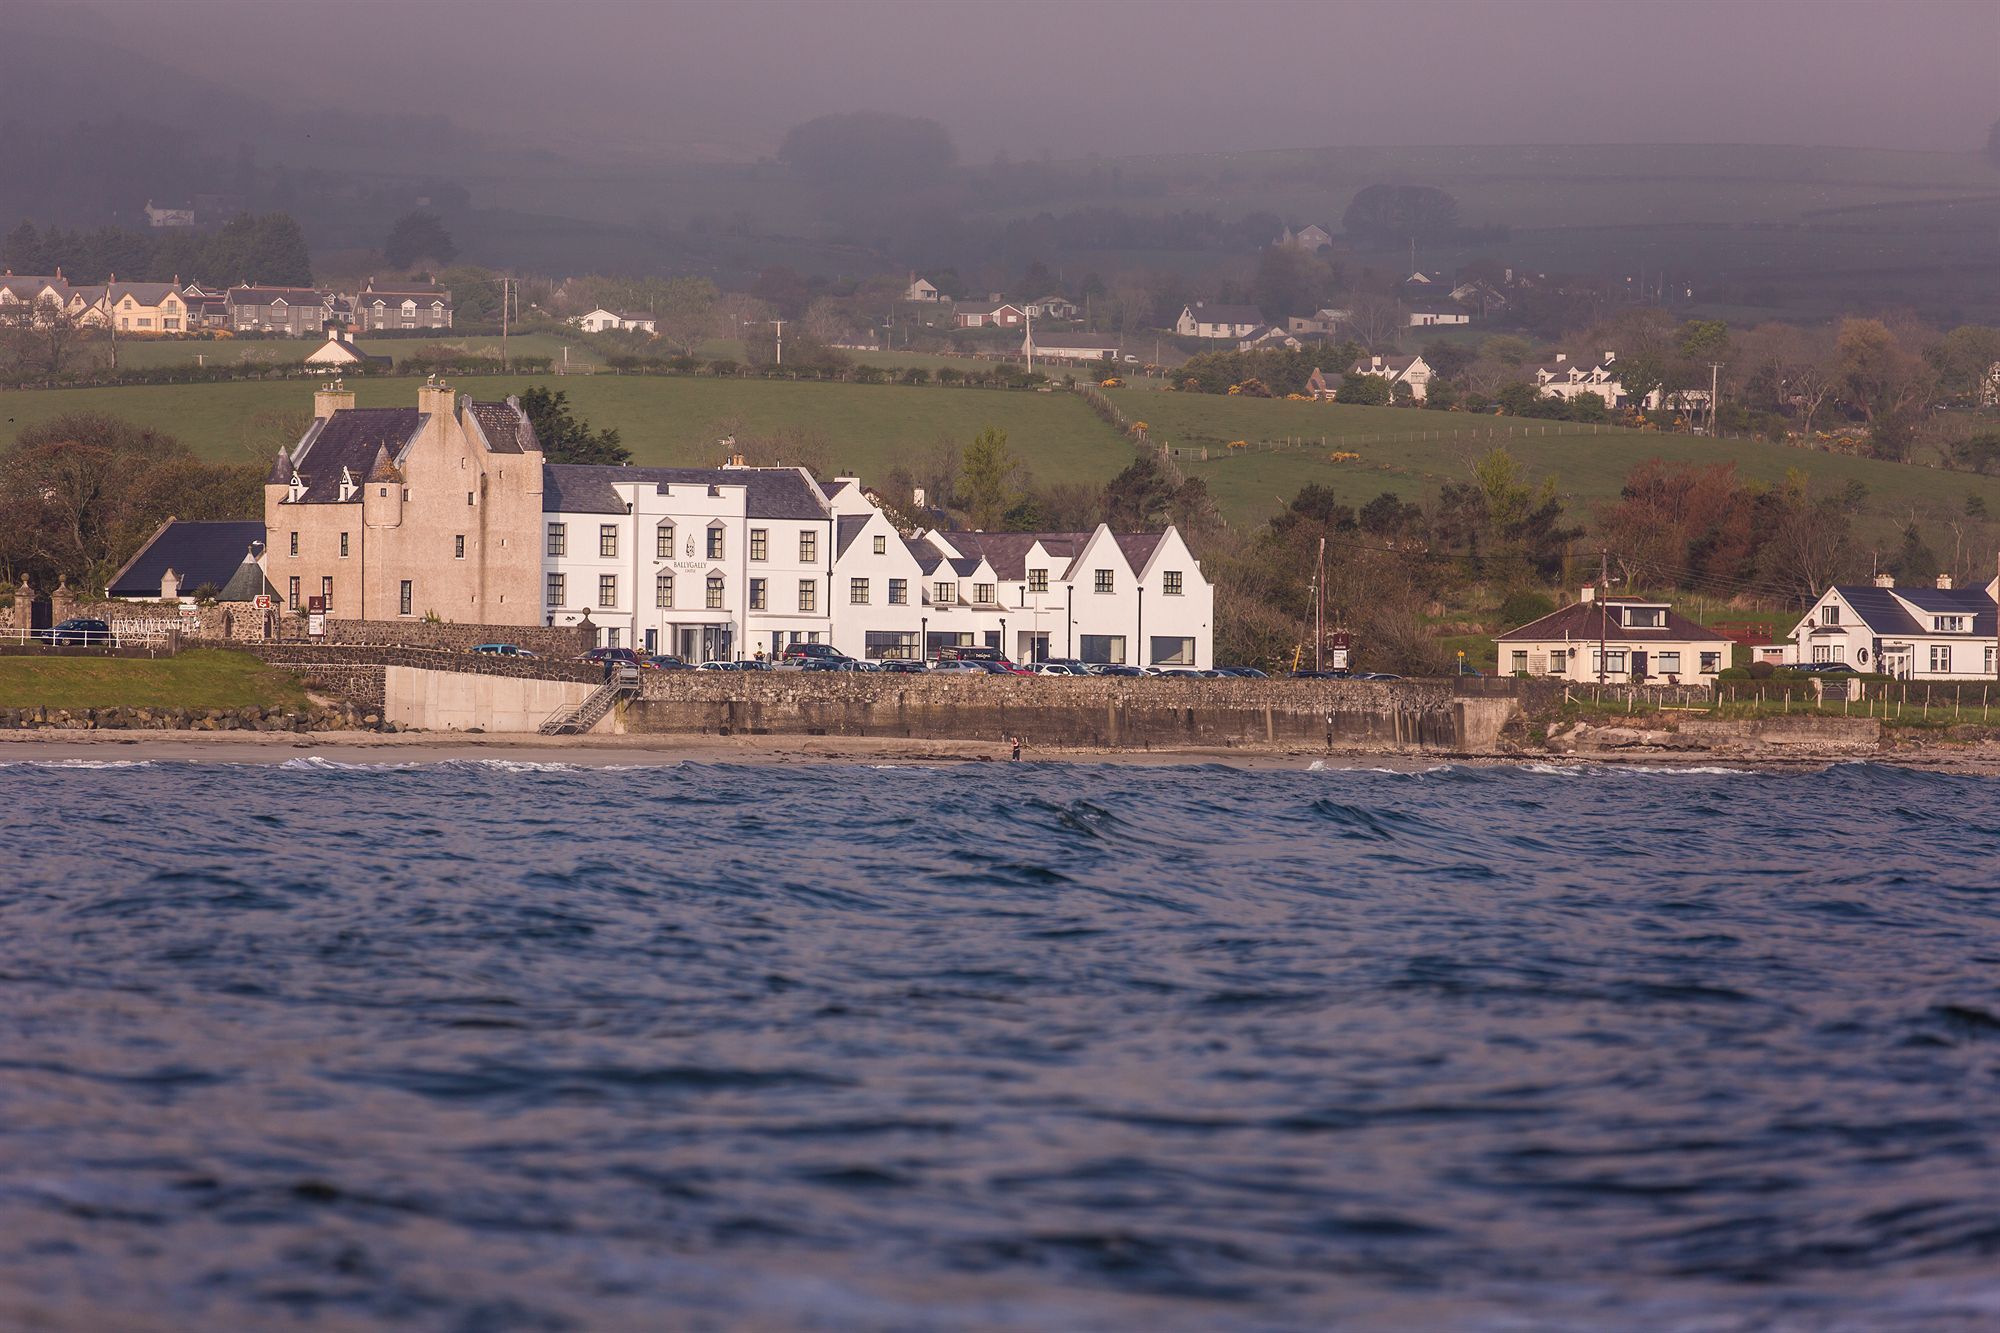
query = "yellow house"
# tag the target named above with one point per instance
(146, 307)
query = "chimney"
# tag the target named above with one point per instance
(436, 399)
(333, 398)
(1944, 582)
(1609, 357)
(1561, 357)
(1589, 593)
(1885, 580)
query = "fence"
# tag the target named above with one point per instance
(128, 636)
(1934, 703)
(1299, 443)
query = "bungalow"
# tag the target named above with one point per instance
(1218, 321)
(338, 352)
(1411, 370)
(920, 290)
(602, 320)
(1618, 640)
(984, 315)
(1322, 387)
(1427, 313)
(182, 558)
(1269, 337)
(1053, 307)
(1934, 633)
(1070, 346)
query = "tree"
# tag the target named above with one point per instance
(1448, 360)
(1138, 497)
(1376, 322)
(1993, 144)
(22, 252)
(1368, 390)
(865, 150)
(1396, 214)
(989, 480)
(1965, 361)
(686, 313)
(1289, 282)
(419, 236)
(566, 438)
(40, 339)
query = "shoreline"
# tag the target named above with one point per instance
(251, 748)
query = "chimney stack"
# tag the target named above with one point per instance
(1589, 593)
(333, 398)
(1885, 580)
(1944, 582)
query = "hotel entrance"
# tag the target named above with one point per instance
(702, 643)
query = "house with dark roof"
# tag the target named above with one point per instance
(405, 305)
(1935, 632)
(988, 315)
(186, 559)
(398, 513)
(1412, 370)
(339, 352)
(297, 311)
(1615, 640)
(1206, 320)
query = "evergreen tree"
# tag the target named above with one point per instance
(988, 480)
(21, 251)
(418, 236)
(565, 437)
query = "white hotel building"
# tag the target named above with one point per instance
(731, 562)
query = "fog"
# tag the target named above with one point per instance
(716, 80)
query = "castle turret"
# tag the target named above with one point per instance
(382, 496)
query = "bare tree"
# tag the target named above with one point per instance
(1376, 322)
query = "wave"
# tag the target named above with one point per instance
(76, 763)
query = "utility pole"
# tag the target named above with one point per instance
(1714, 387)
(1603, 611)
(503, 323)
(1029, 315)
(779, 325)
(1319, 610)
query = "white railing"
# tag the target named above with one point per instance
(150, 635)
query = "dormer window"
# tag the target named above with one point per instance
(297, 491)
(1645, 617)
(1948, 624)
(347, 486)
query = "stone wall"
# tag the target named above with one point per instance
(1093, 713)
(560, 642)
(222, 623)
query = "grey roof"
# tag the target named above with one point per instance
(587, 488)
(146, 293)
(1227, 314)
(350, 439)
(928, 556)
(1590, 620)
(247, 582)
(506, 427)
(847, 529)
(1883, 614)
(200, 553)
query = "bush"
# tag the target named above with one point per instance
(1525, 605)
(1760, 671)
(1737, 673)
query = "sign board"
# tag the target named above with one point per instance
(316, 605)
(262, 601)
(1337, 660)
(1340, 646)
(316, 623)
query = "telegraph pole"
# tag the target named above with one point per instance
(1603, 611)
(1714, 387)
(779, 325)
(1029, 313)
(503, 323)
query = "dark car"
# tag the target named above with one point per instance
(501, 650)
(613, 658)
(897, 666)
(826, 664)
(665, 663)
(811, 650)
(1117, 670)
(1823, 668)
(79, 630)
(1377, 675)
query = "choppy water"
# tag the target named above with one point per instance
(477, 1046)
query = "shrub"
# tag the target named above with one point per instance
(1524, 605)
(1760, 671)
(1736, 673)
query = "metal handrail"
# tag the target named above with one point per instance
(115, 637)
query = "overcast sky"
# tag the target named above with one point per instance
(725, 78)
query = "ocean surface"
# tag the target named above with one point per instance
(495, 1046)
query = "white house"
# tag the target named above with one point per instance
(1130, 598)
(1411, 370)
(602, 320)
(920, 290)
(991, 314)
(1426, 314)
(1218, 321)
(1566, 379)
(1616, 640)
(1070, 346)
(1055, 306)
(1269, 337)
(339, 352)
(1935, 633)
(1311, 238)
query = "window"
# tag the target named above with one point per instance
(889, 644)
(292, 592)
(343, 546)
(607, 590)
(808, 595)
(403, 599)
(1518, 661)
(857, 592)
(1172, 651)
(326, 593)
(607, 539)
(458, 547)
(1711, 663)
(663, 590)
(1988, 666)
(944, 593)
(1830, 614)
(760, 544)
(1038, 580)
(663, 543)
(899, 592)
(295, 543)
(1667, 664)
(1948, 624)
(1941, 657)
(715, 592)
(1102, 649)
(1170, 583)
(1646, 617)
(808, 548)
(558, 539)
(982, 592)
(468, 494)
(715, 543)
(881, 546)
(757, 598)
(1611, 663)
(556, 589)
(1103, 583)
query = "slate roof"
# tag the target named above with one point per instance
(1587, 620)
(1227, 314)
(1138, 547)
(507, 430)
(256, 296)
(1074, 341)
(1880, 610)
(928, 557)
(200, 553)
(587, 488)
(350, 439)
(846, 530)
(1008, 552)
(145, 293)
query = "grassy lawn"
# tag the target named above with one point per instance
(147, 353)
(200, 678)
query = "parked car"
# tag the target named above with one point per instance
(798, 653)
(962, 667)
(80, 630)
(1243, 673)
(897, 666)
(627, 655)
(720, 666)
(665, 662)
(502, 649)
(1116, 669)
(753, 664)
(1058, 669)
(1822, 668)
(1378, 675)
(971, 653)
(826, 664)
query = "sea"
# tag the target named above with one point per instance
(514, 1046)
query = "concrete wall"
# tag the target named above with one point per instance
(1105, 712)
(458, 701)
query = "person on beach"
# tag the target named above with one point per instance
(1017, 749)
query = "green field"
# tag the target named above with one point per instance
(148, 353)
(1413, 453)
(200, 678)
(665, 420)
